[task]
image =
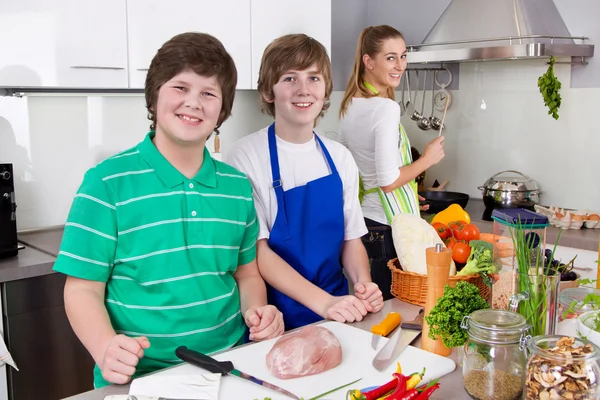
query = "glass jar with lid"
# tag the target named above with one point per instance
(562, 367)
(494, 357)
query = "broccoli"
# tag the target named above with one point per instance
(480, 260)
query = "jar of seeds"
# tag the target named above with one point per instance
(562, 367)
(494, 355)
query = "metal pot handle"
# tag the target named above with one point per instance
(512, 170)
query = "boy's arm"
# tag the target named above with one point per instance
(356, 261)
(279, 274)
(84, 302)
(263, 320)
(253, 293)
(86, 256)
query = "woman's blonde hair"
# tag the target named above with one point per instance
(369, 42)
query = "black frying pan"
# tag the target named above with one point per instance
(440, 200)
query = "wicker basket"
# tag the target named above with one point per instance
(412, 288)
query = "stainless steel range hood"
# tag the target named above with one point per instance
(487, 30)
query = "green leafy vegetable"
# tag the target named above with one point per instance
(457, 302)
(481, 260)
(550, 89)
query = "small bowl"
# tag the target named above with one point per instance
(584, 329)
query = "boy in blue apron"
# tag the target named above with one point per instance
(306, 194)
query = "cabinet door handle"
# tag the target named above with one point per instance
(94, 67)
(142, 69)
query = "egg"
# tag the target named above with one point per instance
(594, 217)
(577, 217)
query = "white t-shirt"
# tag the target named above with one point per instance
(370, 130)
(298, 165)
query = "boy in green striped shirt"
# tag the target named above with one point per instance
(159, 245)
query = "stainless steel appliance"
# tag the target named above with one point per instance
(475, 30)
(8, 217)
(509, 189)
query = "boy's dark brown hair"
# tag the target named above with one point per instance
(199, 52)
(292, 52)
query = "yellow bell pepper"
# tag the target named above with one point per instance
(454, 212)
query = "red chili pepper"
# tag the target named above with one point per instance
(427, 392)
(382, 390)
(400, 388)
(409, 395)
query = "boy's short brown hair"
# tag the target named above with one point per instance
(292, 52)
(199, 52)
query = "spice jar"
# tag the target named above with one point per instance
(562, 367)
(494, 357)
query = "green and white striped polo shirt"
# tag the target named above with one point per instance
(167, 248)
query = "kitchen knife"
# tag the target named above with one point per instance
(404, 335)
(224, 368)
(389, 323)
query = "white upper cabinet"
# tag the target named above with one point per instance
(152, 22)
(274, 18)
(63, 43)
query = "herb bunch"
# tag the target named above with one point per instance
(457, 302)
(550, 89)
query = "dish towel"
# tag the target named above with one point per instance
(5, 356)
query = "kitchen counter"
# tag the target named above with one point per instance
(29, 263)
(586, 239)
(43, 244)
(451, 385)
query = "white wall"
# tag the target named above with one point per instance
(497, 122)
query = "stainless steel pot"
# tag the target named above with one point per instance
(510, 189)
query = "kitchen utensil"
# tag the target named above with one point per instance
(224, 368)
(217, 143)
(415, 115)
(132, 397)
(402, 337)
(423, 122)
(389, 323)
(402, 103)
(439, 200)
(510, 189)
(437, 187)
(434, 121)
(438, 272)
(410, 107)
(443, 119)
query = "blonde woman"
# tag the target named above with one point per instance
(370, 128)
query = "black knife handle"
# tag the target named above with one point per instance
(204, 361)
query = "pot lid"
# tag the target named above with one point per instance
(511, 181)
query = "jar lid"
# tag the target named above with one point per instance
(511, 181)
(497, 326)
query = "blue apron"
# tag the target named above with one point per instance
(308, 234)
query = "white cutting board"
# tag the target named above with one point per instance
(357, 356)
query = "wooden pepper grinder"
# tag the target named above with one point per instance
(217, 154)
(438, 271)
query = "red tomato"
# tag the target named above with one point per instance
(451, 242)
(442, 230)
(470, 232)
(456, 228)
(461, 252)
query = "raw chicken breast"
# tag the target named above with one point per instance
(308, 351)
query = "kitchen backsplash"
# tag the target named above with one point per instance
(497, 121)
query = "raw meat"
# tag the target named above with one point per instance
(308, 351)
